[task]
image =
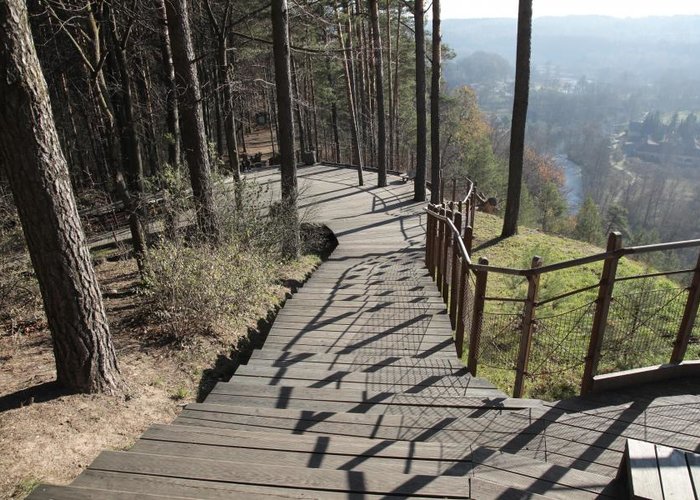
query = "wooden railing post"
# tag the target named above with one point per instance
(469, 238)
(533, 285)
(472, 214)
(477, 317)
(689, 316)
(600, 319)
(454, 281)
(459, 332)
(429, 239)
(438, 246)
(447, 235)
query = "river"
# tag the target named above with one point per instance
(573, 184)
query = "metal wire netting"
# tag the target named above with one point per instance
(498, 347)
(694, 343)
(643, 322)
(467, 312)
(558, 351)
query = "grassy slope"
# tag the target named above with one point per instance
(641, 328)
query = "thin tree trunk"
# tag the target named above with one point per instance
(194, 137)
(379, 83)
(281, 49)
(519, 120)
(435, 165)
(421, 123)
(38, 173)
(297, 108)
(348, 67)
(390, 87)
(229, 115)
(397, 84)
(171, 101)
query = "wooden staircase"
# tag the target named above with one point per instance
(357, 393)
(356, 396)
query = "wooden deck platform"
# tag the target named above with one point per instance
(357, 393)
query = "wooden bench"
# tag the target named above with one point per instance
(659, 472)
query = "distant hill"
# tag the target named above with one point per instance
(595, 46)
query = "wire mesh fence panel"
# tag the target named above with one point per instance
(467, 312)
(498, 348)
(642, 325)
(559, 347)
(693, 351)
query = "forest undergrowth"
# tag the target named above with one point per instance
(178, 327)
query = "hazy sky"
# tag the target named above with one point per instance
(618, 8)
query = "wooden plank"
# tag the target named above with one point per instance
(191, 488)
(49, 492)
(446, 455)
(693, 461)
(642, 471)
(675, 477)
(274, 475)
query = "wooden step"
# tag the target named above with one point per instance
(430, 426)
(412, 380)
(51, 492)
(333, 452)
(272, 475)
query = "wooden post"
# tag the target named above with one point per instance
(445, 286)
(469, 239)
(600, 319)
(454, 285)
(454, 189)
(689, 316)
(527, 329)
(429, 237)
(442, 226)
(477, 317)
(472, 214)
(459, 334)
(442, 190)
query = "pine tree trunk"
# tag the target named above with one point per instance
(435, 163)
(517, 134)
(283, 81)
(297, 107)
(355, 138)
(421, 124)
(38, 173)
(194, 139)
(226, 81)
(171, 103)
(379, 93)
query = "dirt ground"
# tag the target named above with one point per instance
(49, 436)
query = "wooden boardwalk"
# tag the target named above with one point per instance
(357, 393)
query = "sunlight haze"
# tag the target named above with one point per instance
(460, 9)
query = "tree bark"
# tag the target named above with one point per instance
(38, 173)
(283, 82)
(435, 164)
(379, 93)
(421, 122)
(194, 139)
(355, 138)
(519, 120)
(173, 118)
